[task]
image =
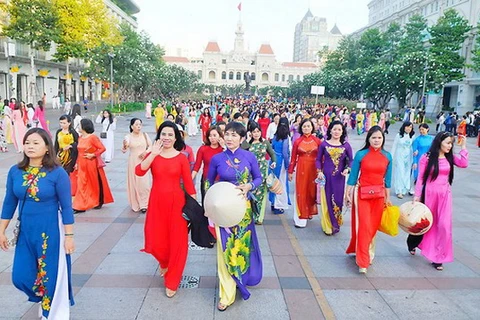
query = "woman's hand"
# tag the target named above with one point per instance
(290, 176)
(463, 141)
(142, 155)
(221, 142)
(245, 188)
(89, 155)
(415, 199)
(157, 147)
(345, 172)
(67, 147)
(348, 199)
(414, 166)
(415, 153)
(3, 242)
(320, 175)
(69, 245)
(273, 165)
(388, 202)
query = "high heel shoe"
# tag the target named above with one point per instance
(170, 293)
(221, 307)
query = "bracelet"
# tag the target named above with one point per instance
(69, 234)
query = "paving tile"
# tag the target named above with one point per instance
(275, 232)
(281, 247)
(108, 303)
(422, 304)
(271, 222)
(187, 304)
(467, 300)
(201, 265)
(382, 283)
(268, 283)
(332, 266)
(345, 283)
(13, 303)
(208, 282)
(79, 280)
(288, 266)
(294, 283)
(119, 281)
(128, 263)
(302, 305)
(455, 283)
(263, 304)
(392, 267)
(358, 304)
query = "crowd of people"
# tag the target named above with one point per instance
(244, 140)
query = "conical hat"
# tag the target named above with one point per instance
(224, 204)
(415, 218)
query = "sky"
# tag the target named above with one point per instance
(190, 24)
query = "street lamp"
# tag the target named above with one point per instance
(111, 55)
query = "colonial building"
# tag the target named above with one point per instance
(51, 77)
(219, 67)
(463, 95)
(312, 36)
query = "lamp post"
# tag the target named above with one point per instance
(111, 55)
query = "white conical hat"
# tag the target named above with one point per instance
(415, 218)
(224, 204)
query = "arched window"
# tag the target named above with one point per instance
(290, 77)
(283, 78)
(224, 75)
(230, 75)
(298, 77)
(211, 75)
(264, 76)
(239, 76)
(199, 74)
(277, 77)
(253, 76)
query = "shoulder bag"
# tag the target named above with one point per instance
(103, 134)
(16, 230)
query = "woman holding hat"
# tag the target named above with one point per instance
(368, 190)
(238, 252)
(433, 188)
(166, 231)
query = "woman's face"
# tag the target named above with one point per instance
(35, 147)
(376, 140)
(137, 126)
(276, 119)
(256, 134)
(64, 124)
(170, 117)
(336, 131)
(232, 140)
(213, 137)
(423, 131)
(105, 114)
(408, 129)
(307, 128)
(167, 137)
(446, 145)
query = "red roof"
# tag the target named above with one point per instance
(212, 46)
(299, 65)
(175, 59)
(265, 49)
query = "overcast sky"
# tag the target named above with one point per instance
(190, 24)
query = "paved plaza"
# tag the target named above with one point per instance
(307, 275)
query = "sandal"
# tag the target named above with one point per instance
(170, 293)
(163, 271)
(412, 252)
(437, 266)
(221, 307)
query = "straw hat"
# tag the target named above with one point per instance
(415, 218)
(273, 184)
(224, 204)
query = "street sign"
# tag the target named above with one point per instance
(317, 90)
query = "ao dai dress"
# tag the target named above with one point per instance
(421, 145)
(402, 163)
(238, 252)
(332, 160)
(282, 153)
(109, 128)
(41, 267)
(437, 243)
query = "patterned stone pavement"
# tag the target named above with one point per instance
(307, 275)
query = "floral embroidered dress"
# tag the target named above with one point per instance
(238, 252)
(68, 158)
(41, 268)
(260, 150)
(332, 160)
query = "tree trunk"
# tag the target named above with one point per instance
(32, 87)
(68, 82)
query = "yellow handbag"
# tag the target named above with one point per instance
(390, 217)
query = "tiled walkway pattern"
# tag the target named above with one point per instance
(306, 274)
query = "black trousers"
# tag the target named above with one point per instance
(413, 241)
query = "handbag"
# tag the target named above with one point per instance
(389, 223)
(273, 184)
(16, 230)
(103, 134)
(372, 192)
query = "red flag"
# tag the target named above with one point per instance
(239, 7)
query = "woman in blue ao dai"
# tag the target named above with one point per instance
(402, 160)
(41, 188)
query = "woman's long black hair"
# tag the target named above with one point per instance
(110, 116)
(283, 130)
(402, 129)
(252, 125)
(370, 133)
(344, 131)
(432, 169)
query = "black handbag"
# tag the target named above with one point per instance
(103, 134)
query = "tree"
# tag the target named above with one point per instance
(447, 38)
(35, 23)
(86, 25)
(476, 51)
